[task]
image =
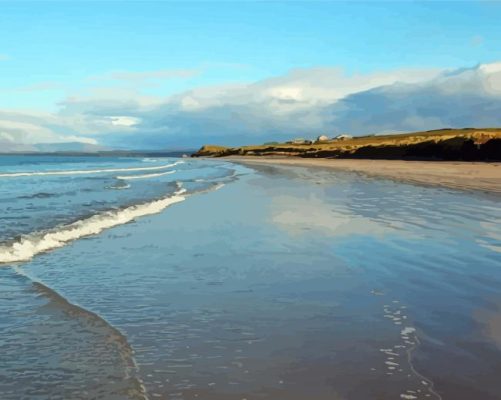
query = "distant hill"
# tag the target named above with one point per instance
(79, 149)
(467, 144)
(9, 147)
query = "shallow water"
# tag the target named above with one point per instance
(286, 283)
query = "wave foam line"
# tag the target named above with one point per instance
(127, 177)
(86, 171)
(38, 242)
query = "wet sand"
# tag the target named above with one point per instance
(284, 284)
(453, 174)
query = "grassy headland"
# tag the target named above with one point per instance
(469, 144)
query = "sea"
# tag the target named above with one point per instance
(179, 278)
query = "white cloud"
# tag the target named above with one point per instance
(303, 102)
(319, 85)
(467, 97)
(27, 129)
(4, 57)
(79, 139)
(490, 68)
(25, 132)
(124, 121)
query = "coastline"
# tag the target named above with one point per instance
(477, 176)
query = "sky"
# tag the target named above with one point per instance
(156, 74)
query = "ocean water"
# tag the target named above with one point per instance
(131, 278)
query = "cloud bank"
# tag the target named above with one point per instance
(304, 102)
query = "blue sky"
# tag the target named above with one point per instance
(50, 52)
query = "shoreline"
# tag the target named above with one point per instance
(477, 176)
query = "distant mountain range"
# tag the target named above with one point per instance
(78, 148)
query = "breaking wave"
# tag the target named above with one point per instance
(27, 246)
(146, 175)
(87, 171)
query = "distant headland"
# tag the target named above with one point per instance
(467, 144)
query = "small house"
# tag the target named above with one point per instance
(322, 138)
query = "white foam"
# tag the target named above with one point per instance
(38, 242)
(87, 171)
(389, 352)
(127, 186)
(391, 363)
(407, 330)
(146, 175)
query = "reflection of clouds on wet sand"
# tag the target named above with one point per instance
(298, 215)
(341, 203)
(491, 236)
(434, 250)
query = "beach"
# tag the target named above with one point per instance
(250, 200)
(259, 282)
(458, 175)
